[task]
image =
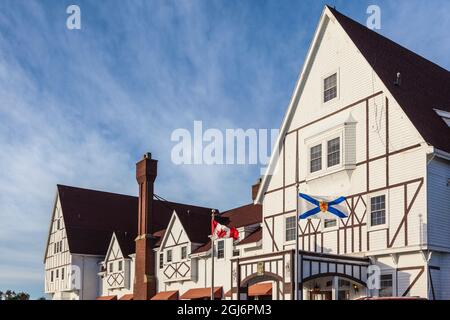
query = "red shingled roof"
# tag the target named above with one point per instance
(424, 85)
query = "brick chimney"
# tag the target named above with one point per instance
(255, 189)
(145, 277)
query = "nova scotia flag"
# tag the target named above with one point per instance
(315, 207)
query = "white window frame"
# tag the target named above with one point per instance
(181, 253)
(120, 265)
(322, 87)
(394, 282)
(323, 138)
(217, 249)
(284, 227)
(327, 229)
(169, 255)
(386, 210)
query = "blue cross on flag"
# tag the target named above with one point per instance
(322, 207)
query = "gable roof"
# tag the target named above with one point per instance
(91, 217)
(424, 85)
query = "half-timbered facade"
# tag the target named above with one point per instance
(356, 127)
(368, 120)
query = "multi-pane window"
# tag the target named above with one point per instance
(183, 253)
(220, 249)
(236, 253)
(328, 223)
(316, 158)
(169, 256)
(385, 285)
(290, 228)
(330, 88)
(334, 152)
(161, 260)
(120, 266)
(378, 210)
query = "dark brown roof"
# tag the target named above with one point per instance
(255, 236)
(424, 85)
(242, 216)
(92, 216)
(203, 248)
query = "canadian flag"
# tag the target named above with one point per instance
(220, 231)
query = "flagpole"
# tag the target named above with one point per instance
(297, 296)
(213, 212)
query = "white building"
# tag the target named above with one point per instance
(368, 120)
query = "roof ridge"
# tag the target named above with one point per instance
(342, 15)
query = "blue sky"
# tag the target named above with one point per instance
(80, 107)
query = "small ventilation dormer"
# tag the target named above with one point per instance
(445, 115)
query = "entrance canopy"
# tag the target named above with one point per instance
(260, 289)
(202, 293)
(166, 295)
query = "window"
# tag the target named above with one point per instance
(183, 253)
(57, 273)
(111, 267)
(328, 223)
(161, 260)
(120, 266)
(58, 224)
(220, 249)
(51, 276)
(62, 273)
(169, 256)
(385, 285)
(290, 228)
(334, 152)
(330, 88)
(55, 248)
(378, 210)
(236, 253)
(316, 158)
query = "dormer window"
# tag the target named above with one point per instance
(330, 88)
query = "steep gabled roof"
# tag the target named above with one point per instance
(424, 85)
(91, 217)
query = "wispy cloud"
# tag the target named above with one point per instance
(80, 107)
